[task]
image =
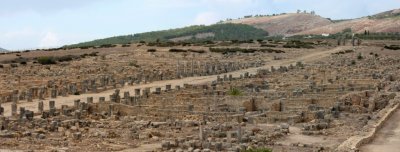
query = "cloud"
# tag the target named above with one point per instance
(49, 40)
(230, 1)
(206, 18)
(44, 7)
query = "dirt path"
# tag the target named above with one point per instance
(191, 80)
(387, 138)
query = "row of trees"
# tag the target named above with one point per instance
(305, 12)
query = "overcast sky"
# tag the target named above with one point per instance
(26, 24)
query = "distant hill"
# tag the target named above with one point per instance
(255, 27)
(305, 23)
(384, 25)
(387, 14)
(285, 24)
(3, 50)
(215, 32)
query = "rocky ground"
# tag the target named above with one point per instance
(130, 99)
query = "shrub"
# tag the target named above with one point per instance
(23, 63)
(46, 60)
(298, 44)
(134, 64)
(197, 51)
(151, 50)
(353, 62)
(66, 58)
(268, 45)
(235, 92)
(232, 50)
(393, 47)
(126, 45)
(177, 50)
(258, 150)
(360, 57)
(14, 65)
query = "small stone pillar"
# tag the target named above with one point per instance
(77, 114)
(137, 92)
(76, 103)
(14, 109)
(158, 91)
(110, 109)
(21, 112)
(40, 106)
(102, 99)
(52, 107)
(168, 87)
(52, 104)
(89, 100)
(201, 133)
(53, 93)
(1, 110)
(190, 107)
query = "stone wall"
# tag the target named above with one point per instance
(355, 142)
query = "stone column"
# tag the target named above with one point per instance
(201, 133)
(77, 114)
(14, 109)
(52, 108)
(21, 112)
(76, 103)
(239, 134)
(40, 106)
(1, 110)
(126, 98)
(110, 109)
(53, 93)
(94, 88)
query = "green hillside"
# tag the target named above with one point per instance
(221, 32)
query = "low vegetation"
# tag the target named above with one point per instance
(298, 44)
(258, 150)
(392, 47)
(235, 92)
(46, 60)
(242, 50)
(187, 50)
(344, 52)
